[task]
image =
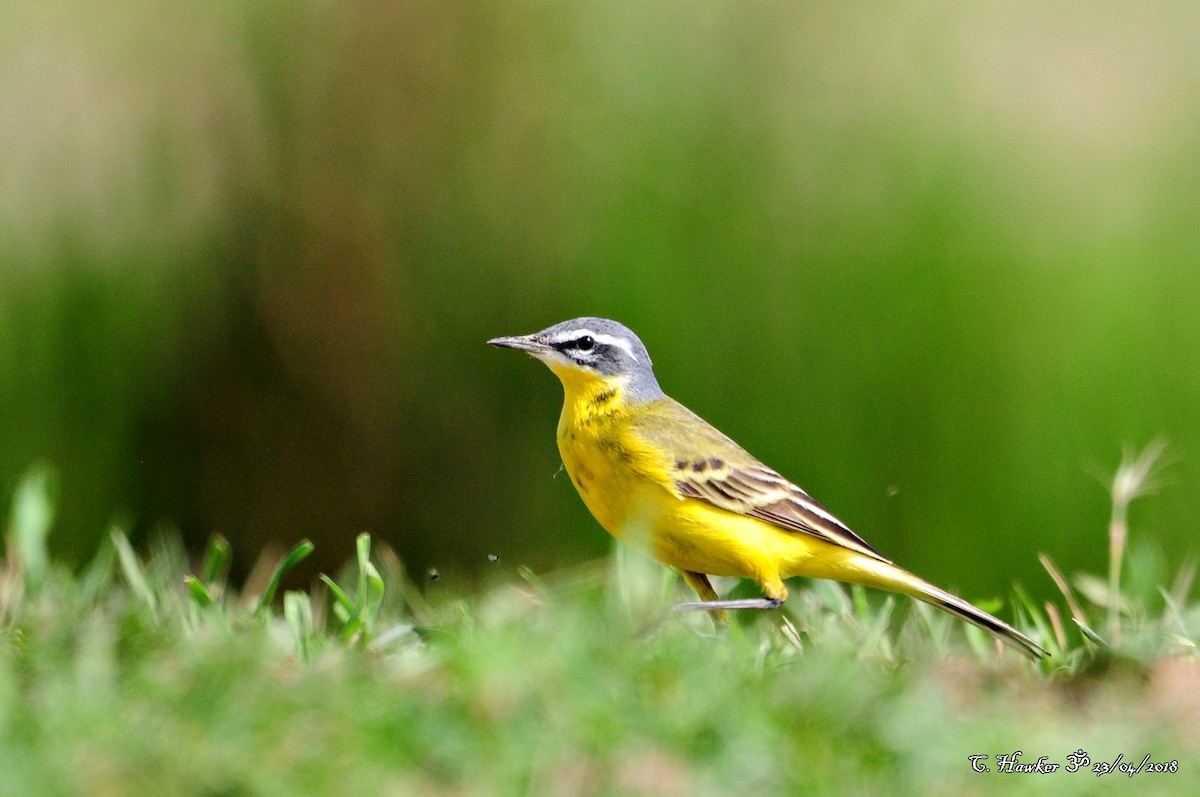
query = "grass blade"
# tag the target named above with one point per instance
(338, 594)
(874, 638)
(97, 576)
(1176, 615)
(1091, 635)
(294, 557)
(370, 586)
(373, 598)
(132, 569)
(214, 568)
(1038, 618)
(198, 593)
(298, 612)
(1061, 582)
(34, 506)
(1183, 581)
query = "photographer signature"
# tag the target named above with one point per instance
(1011, 763)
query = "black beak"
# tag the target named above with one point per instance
(525, 343)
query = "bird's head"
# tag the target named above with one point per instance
(586, 351)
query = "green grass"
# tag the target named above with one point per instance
(145, 673)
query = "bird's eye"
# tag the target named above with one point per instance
(586, 343)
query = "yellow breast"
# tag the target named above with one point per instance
(621, 481)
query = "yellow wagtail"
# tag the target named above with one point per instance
(658, 476)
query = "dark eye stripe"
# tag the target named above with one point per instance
(582, 343)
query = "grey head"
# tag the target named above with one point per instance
(596, 345)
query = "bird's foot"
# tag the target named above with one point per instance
(744, 603)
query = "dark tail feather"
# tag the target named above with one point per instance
(884, 574)
(993, 625)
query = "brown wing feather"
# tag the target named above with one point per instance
(711, 467)
(762, 493)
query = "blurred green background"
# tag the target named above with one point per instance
(934, 261)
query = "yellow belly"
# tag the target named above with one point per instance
(697, 536)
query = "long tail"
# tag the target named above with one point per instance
(892, 577)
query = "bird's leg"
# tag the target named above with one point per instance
(710, 603)
(708, 595)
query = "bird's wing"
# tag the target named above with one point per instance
(706, 464)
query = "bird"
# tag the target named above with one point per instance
(658, 477)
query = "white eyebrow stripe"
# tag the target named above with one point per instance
(599, 337)
(620, 343)
(570, 334)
